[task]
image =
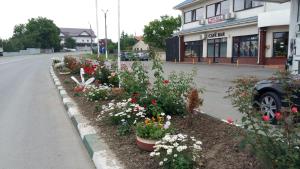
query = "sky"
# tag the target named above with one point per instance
(81, 13)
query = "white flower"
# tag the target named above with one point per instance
(165, 159)
(157, 154)
(169, 117)
(199, 142)
(161, 163)
(162, 114)
(152, 154)
(175, 155)
(169, 151)
(123, 120)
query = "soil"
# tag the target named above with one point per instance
(220, 140)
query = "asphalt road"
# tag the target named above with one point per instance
(35, 131)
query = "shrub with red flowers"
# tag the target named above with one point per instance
(276, 146)
(89, 68)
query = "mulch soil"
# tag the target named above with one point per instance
(220, 140)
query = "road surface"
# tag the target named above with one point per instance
(35, 131)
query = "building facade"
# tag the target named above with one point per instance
(233, 31)
(84, 37)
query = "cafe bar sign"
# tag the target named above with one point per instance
(215, 35)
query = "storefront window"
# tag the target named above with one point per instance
(193, 49)
(280, 44)
(217, 47)
(217, 9)
(245, 46)
(246, 4)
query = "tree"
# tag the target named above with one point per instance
(156, 33)
(70, 43)
(127, 41)
(112, 47)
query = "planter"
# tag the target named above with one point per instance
(145, 144)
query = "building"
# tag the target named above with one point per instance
(231, 31)
(140, 45)
(84, 37)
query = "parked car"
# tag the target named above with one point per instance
(269, 95)
(143, 56)
(1, 51)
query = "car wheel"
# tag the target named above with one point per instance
(270, 104)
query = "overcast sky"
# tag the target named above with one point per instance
(79, 13)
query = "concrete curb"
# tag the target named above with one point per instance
(99, 152)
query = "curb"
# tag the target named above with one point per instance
(99, 152)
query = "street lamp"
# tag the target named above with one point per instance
(97, 24)
(119, 39)
(105, 16)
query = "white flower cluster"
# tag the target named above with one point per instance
(171, 146)
(125, 110)
(95, 93)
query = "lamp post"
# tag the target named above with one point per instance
(119, 39)
(97, 24)
(105, 16)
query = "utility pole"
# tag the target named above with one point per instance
(105, 17)
(119, 45)
(97, 24)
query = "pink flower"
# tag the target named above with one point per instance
(266, 118)
(278, 116)
(294, 109)
(229, 120)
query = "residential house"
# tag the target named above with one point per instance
(231, 31)
(140, 44)
(84, 37)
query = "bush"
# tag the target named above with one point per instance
(72, 64)
(178, 152)
(94, 93)
(276, 147)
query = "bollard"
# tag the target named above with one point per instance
(193, 61)
(237, 63)
(209, 61)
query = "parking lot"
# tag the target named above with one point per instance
(216, 79)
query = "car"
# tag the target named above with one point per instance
(143, 56)
(1, 51)
(269, 95)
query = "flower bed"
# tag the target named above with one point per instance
(219, 148)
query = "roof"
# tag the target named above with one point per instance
(76, 32)
(222, 25)
(139, 38)
(184, 3)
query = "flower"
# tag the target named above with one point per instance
(153, 102)
(166, 81)
(229, 120)
(133, 100)
(169, 117)
(278, 116)
(78, 89)
(266, 118)
(294, 109)
(161, 163)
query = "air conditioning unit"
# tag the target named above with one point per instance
(202, 36)
(230, 15)
(202, 22)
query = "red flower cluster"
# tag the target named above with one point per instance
(294, 109)
(166, 82)
(90, 69)
(278, 116)
(266, 118)
(78, 89)
(133, 100)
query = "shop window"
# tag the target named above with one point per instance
(280, 44)
(217, 9)
(245, 4)
(217, 47)
(245, 46)
(193, 49)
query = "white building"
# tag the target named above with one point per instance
(231, 31)
(83, 37)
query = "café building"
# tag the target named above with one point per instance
(231, 31)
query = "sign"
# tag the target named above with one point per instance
(216, 35)
(215, 19)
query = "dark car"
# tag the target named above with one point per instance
(269, 95)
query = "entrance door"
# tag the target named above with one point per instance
(200, 50)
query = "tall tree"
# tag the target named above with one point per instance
(157, 31)
(127, 41)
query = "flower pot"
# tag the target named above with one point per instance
(145, 144)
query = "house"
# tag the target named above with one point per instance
(140, 44)
(231, 31)
(84, 37)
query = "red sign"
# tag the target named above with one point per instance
(216, 19)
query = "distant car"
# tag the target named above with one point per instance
(143, 56)
(269, 96)
(69, 50)
(1, 51)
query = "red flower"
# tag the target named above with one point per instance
(278, 116)
(166, 81)
(78, 89)
(133, 100)
(266, 118)
(153, 101)
(294, 109)
(229, 120)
